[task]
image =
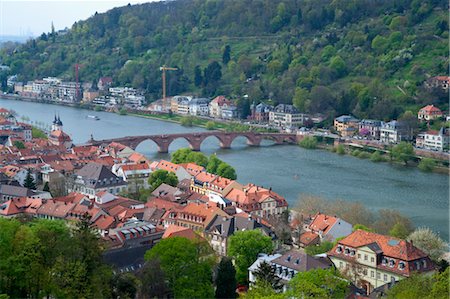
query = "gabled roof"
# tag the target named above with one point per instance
(392, 247)
(96, 176)
(169, 166)
(323, 222)
(430, 108)
(179, 231)
(301, 262)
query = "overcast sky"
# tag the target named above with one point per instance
(32, 17)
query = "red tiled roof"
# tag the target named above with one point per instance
(323, 223)
(162, 204)
(402, 249)
(308, 238)
(169, 166)
(104, 222)
(179, 231)
(430, 108)
(140, 166)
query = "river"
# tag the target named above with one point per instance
(290, 170)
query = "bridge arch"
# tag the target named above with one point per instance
(222, 142)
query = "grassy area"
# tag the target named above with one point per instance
(38, 133)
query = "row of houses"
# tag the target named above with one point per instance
(396, 131)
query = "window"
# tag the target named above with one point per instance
(372, 274)
(366, 257)
(378, 275)
(365, 271)
(372, 259)
(340, 265)
(359, 255)
(385, 277)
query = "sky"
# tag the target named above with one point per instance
(32, 17)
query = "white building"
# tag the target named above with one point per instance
(393, 132)
(286, 116)
(434, 140)
(199, 107)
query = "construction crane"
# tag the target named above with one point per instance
(164, 69)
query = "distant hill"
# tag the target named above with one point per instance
(366, 57)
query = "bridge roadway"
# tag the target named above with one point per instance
(195, 139)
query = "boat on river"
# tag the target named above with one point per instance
(94, 117)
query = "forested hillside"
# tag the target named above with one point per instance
(366, 57)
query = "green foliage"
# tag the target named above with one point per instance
(226, 279)
(377, 157)
(19, 144)
(403, 152)
(323, 247)
(244, 247)
(267, 274)
(361, 227)
(226, 171)
(364, 155)
(37, 133)
(318, 283)
(29, 181)
(187, 121)
(68, 263)
(210, 125)
(124, 285)
(399, 230)
(186, 155)
(429, 242)
(422, 286)
(340, 149)
(308, 142)
(385, 39)
(427, 164)
(262, 290)
(182, 260)
(123, 111)
(161, 176)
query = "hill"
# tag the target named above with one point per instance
(365, 57)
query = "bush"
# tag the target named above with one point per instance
(356, 153)
(308, 142)
(325, 246)
(364, 155)
(123, 111)
(427, 164)
(210, 125)
(187, 121)
(37, 133)
(377, 157)
(340, 149)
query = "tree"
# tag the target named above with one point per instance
(337, 64)
(19, 144)
(429, 242)
(198, 78)
(266, 274)
(226, 279)
(210, 125)
(153, 281)
(301, 99)
(29, 181)
(53, 34)
(403, 152)
(162, 176)
(182, 260)
(318, 283)
(187, 121)
(213, 164)
(323, 247)
(226, 56)
(427, 164)
(308, 142)
(409, 122)
(244, 247)
(361, 227)
(340, 149)
(186, 155)
(226, 171)
(124, 285)
(46, 187)
(262, 290)
(399, 230)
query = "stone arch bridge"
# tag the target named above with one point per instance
(196, 139)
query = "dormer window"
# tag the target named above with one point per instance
(339, 249)
(424, 263)
(384, 261)
(391, 263)
(401, 265)
(288, 259)
(352, 252)
(347, 251)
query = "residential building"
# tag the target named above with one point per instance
(286, 116)
(180, 172)
(90, 94)
(287, 265)
(329, 228)
(394, 132)
(104, 83)
(370, 128)
(260, 112)
(194, 215)
(135, 174)
(374, 260)
(441, 82)
(346, 125)
(93, 178)
(429, 112)
(257, 200)
(229, 112)
(221, 228)
(216, 105)
(199, 107)
(434, 140)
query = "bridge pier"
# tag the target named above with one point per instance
(254, 141)
(163, 148)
